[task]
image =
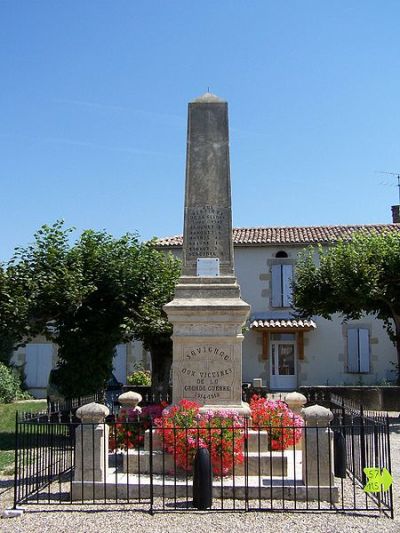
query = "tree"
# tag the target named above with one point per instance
(352, 278)
(151, 323)
(85, 297)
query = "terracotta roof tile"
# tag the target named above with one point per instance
(292, 235)
(296, 324)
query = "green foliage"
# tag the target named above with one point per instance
(140, 377)
(10, 385)
(352, 278)
(86, 297)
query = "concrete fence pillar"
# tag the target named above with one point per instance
(130, 400)
(317, 446)
(91, 452)
(296, 401)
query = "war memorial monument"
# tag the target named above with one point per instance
(207, 311)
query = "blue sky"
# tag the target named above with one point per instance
(93, 109)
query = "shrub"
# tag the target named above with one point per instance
(139, 376)
(10, 385)
(274, 416)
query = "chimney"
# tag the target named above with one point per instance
(396, 214)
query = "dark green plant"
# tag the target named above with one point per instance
(352, 278)
(87, 298)
(10, 385)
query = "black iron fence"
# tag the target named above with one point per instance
(365, 436)
(148, 466)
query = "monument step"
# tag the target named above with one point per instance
(257, 464)
(257, 441)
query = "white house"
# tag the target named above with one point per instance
(285, 352)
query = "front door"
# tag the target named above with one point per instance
(283, 365)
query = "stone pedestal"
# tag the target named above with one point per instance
(207, 350)
(130, 400)
(318, 447)
(91, 454)
(296, 401)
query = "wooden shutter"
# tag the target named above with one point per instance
(287, 274)
(352, 350)
(276, 296)
(363, 349)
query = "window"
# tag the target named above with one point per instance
(281, 253)
(357, 350)
(281, 285)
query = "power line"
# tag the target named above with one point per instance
(397, 174)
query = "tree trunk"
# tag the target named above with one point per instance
(161, 361)
(397, 342)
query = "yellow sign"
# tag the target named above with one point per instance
(379, 479)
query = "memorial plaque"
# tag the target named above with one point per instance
(207, 267)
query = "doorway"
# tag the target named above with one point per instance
(283, 375)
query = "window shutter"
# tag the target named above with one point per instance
(363, 349)
(276, 297)
(119, 363)
(38, 364)
(287, 274)
(352, 350)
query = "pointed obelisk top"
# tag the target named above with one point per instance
(207, 98)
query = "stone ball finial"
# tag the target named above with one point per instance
(295, 401)
(130, 399)
(317, 415)
(93, 413)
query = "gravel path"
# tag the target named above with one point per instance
(87, 519)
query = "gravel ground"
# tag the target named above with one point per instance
(82, 519)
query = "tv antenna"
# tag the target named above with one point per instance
(397, 174)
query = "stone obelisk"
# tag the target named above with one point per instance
(207, 312)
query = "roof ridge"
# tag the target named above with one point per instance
(300, 235)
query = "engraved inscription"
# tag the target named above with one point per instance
(206, 373)
(207, 231)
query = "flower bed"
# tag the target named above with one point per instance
(183, 429)
(275, 417)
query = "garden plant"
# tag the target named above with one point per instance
(183, 429)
